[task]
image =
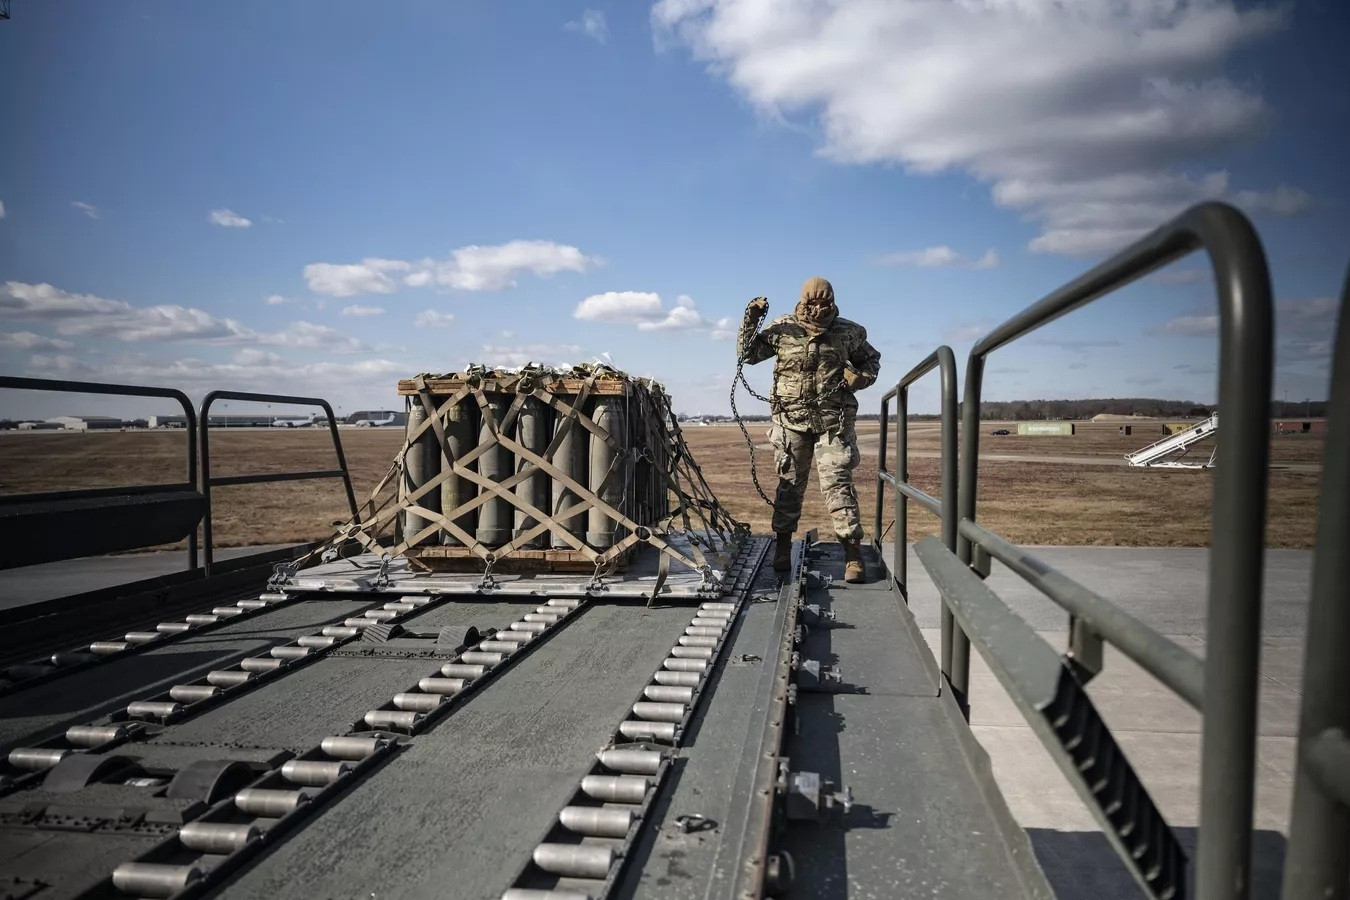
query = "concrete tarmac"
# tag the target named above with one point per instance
(1161, 734)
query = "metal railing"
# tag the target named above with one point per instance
(208, 482)
(1047, 687)
(955, 648)
(1317, 862)
(123, 390)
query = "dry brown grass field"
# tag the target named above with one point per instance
(1031, 503)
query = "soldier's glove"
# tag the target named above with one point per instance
(756, 309)
(856, 381)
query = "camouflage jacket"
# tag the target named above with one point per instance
(809, 392)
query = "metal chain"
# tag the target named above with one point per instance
(740, 377)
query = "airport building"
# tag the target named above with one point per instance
(84, 423)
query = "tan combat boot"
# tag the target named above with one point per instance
(782, 554)
(854, 572)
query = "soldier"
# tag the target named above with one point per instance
(822, 360)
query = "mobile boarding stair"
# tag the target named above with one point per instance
(1168, 452)
(791, 737)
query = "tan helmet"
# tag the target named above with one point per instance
(817, 288)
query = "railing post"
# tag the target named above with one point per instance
(883, 418)
(902, 477)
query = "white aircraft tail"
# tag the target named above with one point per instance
(1167, 453)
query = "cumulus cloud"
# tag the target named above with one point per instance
(942, 256)
(27, 340)
(91, 316)
(1081, 116)
(1191, 326)
(546, 354)
(430, 318)
(228, 218)
(275, 300)
(471, 268)
(592, 24)
(362, 311)
(88, 209)
(645, 310)
(370, 276)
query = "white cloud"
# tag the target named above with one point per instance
(1317, 314)
(430, 318)
(942, 256)
(967, 332)
(723, 329)
(275, 300)
(1080, 115)
(88, 209)
(471, 268)
(546, 354)
(627, 307)
(228, 218)
(362, 311)
(1282, 201)
(27, 340)
(1192, 326)
(592, 24)
(370, 276)
(308, 334)
(33, 302)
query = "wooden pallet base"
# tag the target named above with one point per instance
(462, 559)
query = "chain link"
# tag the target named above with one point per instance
(740, 377)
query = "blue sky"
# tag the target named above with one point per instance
(326, 197)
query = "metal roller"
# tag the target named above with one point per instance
(698, 641)
(422, 463)
(512, 636)
(272, 598)
(533, 432)
(616, 788)
(495, 516)
(461, 433)
(341, 631)
(289, 652)
(25, 671)
(501, 647)
(596, 821)
(350, 747)
(379, 615)
(679, 665)
(358, 623)
(401, 605)
(95, 735)
(602, 532)
(649, 731)
(463, 670)
(659, 712)
(153, 879)
(418, 601)
(564, 602)
(703, 631)
(447, 687)
(141, 637)
(268, 802)
(227, 612)
(258, 603)
(543, 894)
(683, 679)
(173, 627)
(202, 619)
(631, 762)
(711, 615)
(313, 772)
(573, 458)
(260, 664)
(542, 618)
(191, 693)
(665, 693)
(718, 605)
(317, 640)
(153, 709)
(529, 627)
(574, 860)
(104, 648)
(691, 652)
(35, 759)
(216, 837)
(392, 718)
(424, 703)
(480, 658)
(229, 677)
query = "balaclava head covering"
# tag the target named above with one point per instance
(812, 315)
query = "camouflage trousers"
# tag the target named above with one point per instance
(836, 456)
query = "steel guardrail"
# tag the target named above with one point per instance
(62, 385)
(204, 423)
(955, 648)
(1316, 863)
(1230, 668)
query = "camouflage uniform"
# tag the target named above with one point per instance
(814, 410)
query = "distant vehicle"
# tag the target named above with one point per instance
(375, 423)
(304, 422)
(1001, 431)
